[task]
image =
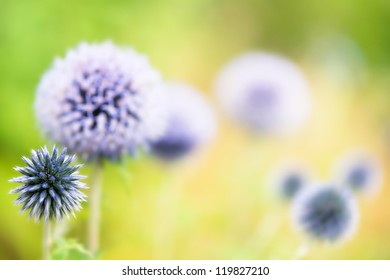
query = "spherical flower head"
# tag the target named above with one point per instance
(100, 101)
(361, 172)
(190, 122)
(289, 179)
(291, 183)
(326, 213)
(50, 185)
(340, 59)
(266, 93)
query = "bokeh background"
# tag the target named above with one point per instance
(217, 204)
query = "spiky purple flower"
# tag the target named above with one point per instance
(190, 122)
(50, 185)
(100, 101)
(326, 213)
(266, 93)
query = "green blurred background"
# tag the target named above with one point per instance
(216, 205)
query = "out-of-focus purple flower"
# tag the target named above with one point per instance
(100, 101)
(326, 213)
(266, 93)
(292, 184)
(190, 122)
(290, 179)
(360, 171)
(50, 185)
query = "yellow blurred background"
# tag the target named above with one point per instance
(216, 204)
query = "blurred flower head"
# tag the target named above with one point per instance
(326, 213)
(100, 101)
(291, 184)
(290, 178)
(190, 122)
(360, 171)
(264, 92)
(50, 185)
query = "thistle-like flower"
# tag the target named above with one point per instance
(360, 171)
(190, 122)
(266, 93)
(100, 101)
(50, 185)
(326, 213)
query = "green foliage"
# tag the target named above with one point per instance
(70, 249)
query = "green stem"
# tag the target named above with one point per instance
(46, 240)
(94, 215)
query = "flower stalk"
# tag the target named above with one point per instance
(95, 204)
(46, 240)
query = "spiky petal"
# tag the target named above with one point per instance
(50, 185)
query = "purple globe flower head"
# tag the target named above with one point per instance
(289, 179)
(326, 213)
(100, 101)
(50, 185)
(292, 184)
(190, 122)
(266, 93)
(292, 180)
(361, 172)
